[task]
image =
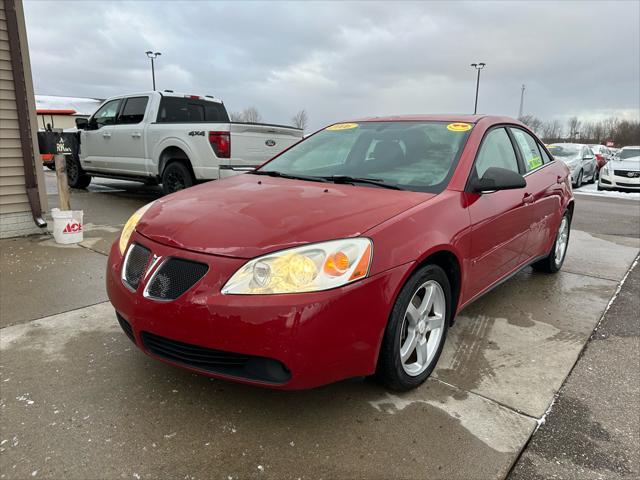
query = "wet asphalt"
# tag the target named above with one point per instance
(79, 400)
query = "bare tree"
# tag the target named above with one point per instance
(551, 131)
(532, 122)
(251, 115)
(235, 116)
(574, 127)
(300, 120)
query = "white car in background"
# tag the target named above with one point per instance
(623, 172)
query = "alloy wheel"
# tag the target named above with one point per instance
(422, 328)
(562, 240)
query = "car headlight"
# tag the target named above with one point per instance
(313, 267)
(130, 226)
(605, 169)
(572, 163)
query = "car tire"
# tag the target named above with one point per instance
(405, 329)
(553, 262)
(579, 180)
(76, 176)
(175, 177)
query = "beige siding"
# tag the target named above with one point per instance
(13, 196)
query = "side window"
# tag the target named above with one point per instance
(133, 110)
(588, 153)
(529, 149)
(496, 151)
(545, 156)
(106, 115)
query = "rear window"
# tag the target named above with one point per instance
(185, 110)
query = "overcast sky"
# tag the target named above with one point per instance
(348, 59)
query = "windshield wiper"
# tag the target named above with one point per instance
(369, 181)
(274, 173)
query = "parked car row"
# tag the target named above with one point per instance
(623, 172)
(614, 169)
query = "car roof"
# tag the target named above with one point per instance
(631, 147)
(442, 117)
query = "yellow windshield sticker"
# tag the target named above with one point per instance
(535, 162)
(342, 126)
(459, 127)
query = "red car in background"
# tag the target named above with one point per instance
(349, 254)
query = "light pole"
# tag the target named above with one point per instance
(152, 56)
(478, 67)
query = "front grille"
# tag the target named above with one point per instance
(174, 277)
(625, 173)
(126, 327)
(216, 361)
(135, 265)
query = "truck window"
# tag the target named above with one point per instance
(107, 113)
(133, 110)
(185, 110)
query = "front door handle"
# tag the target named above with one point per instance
(106, 135)
(527, 199)
(136, 134)
(558, 179)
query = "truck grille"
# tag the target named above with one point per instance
(216, 361)
(174, 277)
(135, 265)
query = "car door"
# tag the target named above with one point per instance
(97, 141)
(588, 163)
(543, 191)
(128, 137)
(499, 227)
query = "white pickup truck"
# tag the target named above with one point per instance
(173, 139)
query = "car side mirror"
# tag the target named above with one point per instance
(82, 123)
(496, 178)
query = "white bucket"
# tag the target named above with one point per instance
(67, 225)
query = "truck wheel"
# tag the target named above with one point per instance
(76, 177)
(176, 177)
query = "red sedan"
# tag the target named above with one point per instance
(347, 255)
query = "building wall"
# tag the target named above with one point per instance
(57, 121)
(15, 211)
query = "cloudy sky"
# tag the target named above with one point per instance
(340, 60)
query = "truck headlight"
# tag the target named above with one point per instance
(313, 267)
(130, 226)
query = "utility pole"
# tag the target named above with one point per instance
(153, 56)
(521, 102)
(478, 67)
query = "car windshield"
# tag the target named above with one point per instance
(564, 150)
(417, 156)
(629, 152)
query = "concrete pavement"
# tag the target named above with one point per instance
(78, 400)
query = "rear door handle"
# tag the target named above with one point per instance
(106, 135)
(528, 198)
(136, 134)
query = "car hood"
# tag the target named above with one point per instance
(247, 216)
(632, 163)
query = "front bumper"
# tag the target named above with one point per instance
(611, 181)
(318, 337)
